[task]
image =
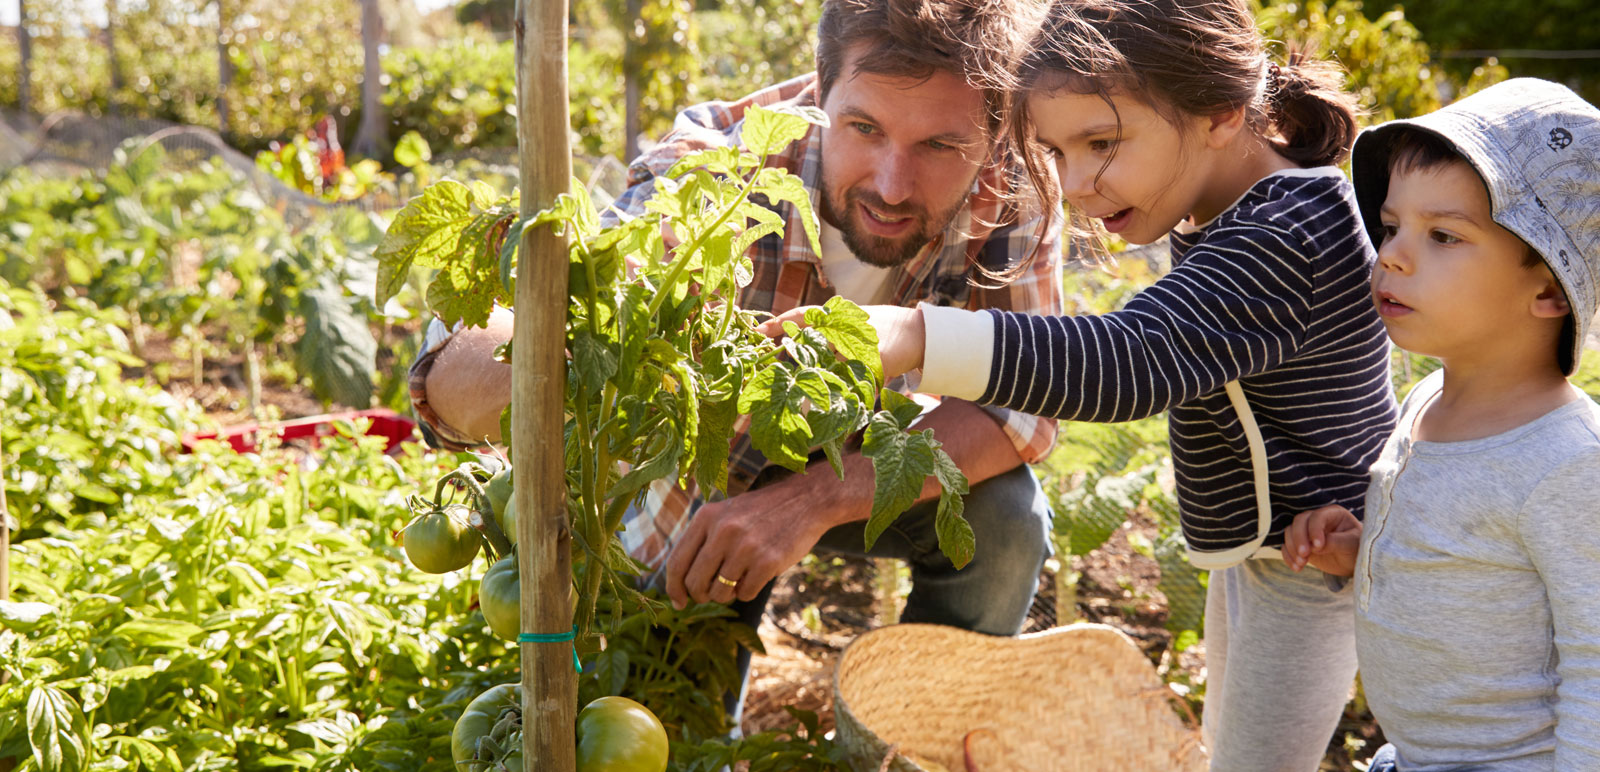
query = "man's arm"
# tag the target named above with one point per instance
(752, 538)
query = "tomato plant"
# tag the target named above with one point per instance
(488, 735)
(616, 734)
(644, 311)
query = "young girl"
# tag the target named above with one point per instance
(1166, 118)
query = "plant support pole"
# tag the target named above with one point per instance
(538, 386)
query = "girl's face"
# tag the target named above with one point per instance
(1125, 164)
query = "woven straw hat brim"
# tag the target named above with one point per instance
(1080, 697)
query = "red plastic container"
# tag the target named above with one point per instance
(243, 438)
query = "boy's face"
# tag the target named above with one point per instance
(1450, 282)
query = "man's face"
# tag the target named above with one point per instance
(898, 159)
(1450, 281)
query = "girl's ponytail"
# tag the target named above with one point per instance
(1313, 116)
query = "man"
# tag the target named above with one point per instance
(916, 207)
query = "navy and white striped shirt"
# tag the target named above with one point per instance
(1273, 293)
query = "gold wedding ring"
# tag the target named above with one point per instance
(727, 581)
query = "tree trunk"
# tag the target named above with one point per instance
(631, 118)
(224, 69)
(24, 92)
(111, 57)
(369, 136)
(549, 685)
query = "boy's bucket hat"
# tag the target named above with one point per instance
(1536, 145)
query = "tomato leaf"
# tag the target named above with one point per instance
(955, 533)
(425, 232)
(778, 185)
(846, 328)
(901, 462)
(766, 131)
(778, 428)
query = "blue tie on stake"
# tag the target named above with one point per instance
(577, 666)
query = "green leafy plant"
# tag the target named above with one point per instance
(188, 248)
(662, 362)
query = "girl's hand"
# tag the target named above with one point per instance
(1327, 538)
(901, 335)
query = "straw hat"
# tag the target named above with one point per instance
(1080, 697)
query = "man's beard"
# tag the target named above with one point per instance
(876, 250)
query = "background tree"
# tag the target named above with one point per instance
(25, 55)
(1388, 63)
(111, 55)
(369, 137)
(224, 68)
(1554, 39)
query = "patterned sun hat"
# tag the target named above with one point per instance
(1536, 144)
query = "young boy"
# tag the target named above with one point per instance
(1477, 577)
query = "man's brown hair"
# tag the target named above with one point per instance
(976, 40)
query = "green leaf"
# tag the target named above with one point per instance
(652, 469)
(955, 533)
(711, 451)
(337, 350)
(412, 150)
(159, 633)
(847, 329)
(766, 131)
(425, 232)
(24, 616)
(901, 463)
(778, 429)
(56, 731)
(593, 360)
(779, 185)
(718, 160)
(903, 408)
(351, 627)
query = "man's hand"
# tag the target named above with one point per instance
(732, 548)
(901, 334)
(1327, 538)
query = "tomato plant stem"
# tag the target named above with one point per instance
(682, 260)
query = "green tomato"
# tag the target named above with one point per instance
(616, 734)
(500, 598)
(499, 490)
(488, 736)
(441, 541)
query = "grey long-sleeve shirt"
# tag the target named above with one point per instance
(1478, 594)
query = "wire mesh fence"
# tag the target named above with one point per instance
(68, 144)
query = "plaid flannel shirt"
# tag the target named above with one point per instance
(788, 274)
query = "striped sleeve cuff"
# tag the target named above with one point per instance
(957, 352)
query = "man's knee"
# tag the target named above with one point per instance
(1012, 510)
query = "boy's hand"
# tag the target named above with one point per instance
(901, 334)
(1327, 538)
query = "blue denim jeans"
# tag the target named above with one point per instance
(1010, 519)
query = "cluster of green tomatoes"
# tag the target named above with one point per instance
(615, 734)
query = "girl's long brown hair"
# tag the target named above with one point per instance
(1183, 57)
